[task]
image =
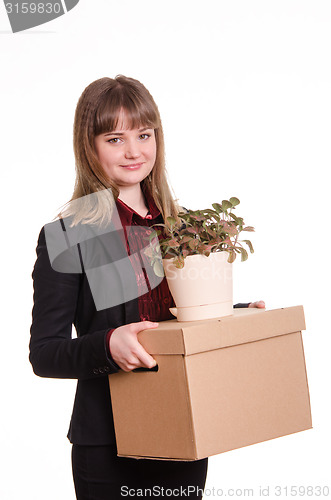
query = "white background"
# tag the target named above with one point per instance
(243, 89)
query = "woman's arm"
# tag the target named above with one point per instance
(53, 352)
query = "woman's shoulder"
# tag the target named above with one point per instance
(57, 246)
(73, 247)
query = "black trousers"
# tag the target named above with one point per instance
(99, 474)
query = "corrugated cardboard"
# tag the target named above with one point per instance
(221, 384)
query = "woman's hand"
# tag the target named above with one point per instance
(125, 348)
(260, 304)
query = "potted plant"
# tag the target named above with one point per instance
(196, 253)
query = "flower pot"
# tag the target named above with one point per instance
(202, 289)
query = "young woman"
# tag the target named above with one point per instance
(120, 176)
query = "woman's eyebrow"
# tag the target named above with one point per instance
(113, 133)
(145, 128)
(122, 133)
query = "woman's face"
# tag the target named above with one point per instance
(126, 155)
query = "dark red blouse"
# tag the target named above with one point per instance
(154, 302)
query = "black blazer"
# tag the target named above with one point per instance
(63, 299)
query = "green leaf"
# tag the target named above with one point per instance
(149, 252)
(171, 220)
(207, 249)
(163, 225)
(194, 213)
(217, 207)
(226, 204)
(173, 243)
(179, 262)
(211, 232)
(184, 216)
(193, 243)
(210, 212)
(232, 257)
(234, 201)
(235, 218)
(249, 244)
(244, 254)
(158, 268)
(231, 229)
(153, 235)
(249, 229)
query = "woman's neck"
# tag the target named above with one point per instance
(134, 198)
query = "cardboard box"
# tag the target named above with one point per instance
(221, 384)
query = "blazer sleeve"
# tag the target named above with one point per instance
(53, 351)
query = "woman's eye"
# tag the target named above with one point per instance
(114, 140)
(144, 136)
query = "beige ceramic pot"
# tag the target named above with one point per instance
(202, 289)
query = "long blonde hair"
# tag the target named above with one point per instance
(97, 112)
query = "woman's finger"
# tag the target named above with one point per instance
(143, 325)
(259, 304)
(145, 359)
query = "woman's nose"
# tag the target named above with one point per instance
(132, 150)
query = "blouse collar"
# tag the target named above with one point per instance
(127, 214)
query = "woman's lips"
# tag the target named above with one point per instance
(132, 166)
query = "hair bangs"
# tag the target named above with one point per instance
(123, 104)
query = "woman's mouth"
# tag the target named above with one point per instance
(132, 166)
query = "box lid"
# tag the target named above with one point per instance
(245, 325)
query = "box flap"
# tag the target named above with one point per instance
(245, 325)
